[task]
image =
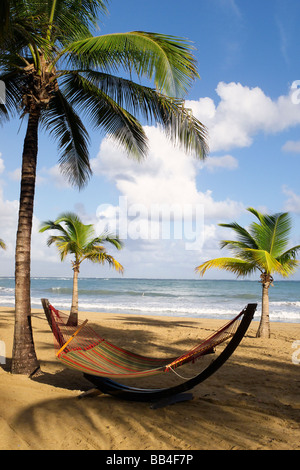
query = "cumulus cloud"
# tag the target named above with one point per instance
(160, 206)
(292, 146)
(8, 216)
(9, 219)
(1, 164)
(167, 176)
(241, 113)
(292, 203)
(227, 162)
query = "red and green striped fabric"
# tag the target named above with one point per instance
(91, 354)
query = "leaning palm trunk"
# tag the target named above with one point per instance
(24, 360)
(264, 326)
(73, 318)
(35, 39)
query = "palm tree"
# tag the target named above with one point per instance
(54, 69)
(264, 248)
(80, 240)
(2, 244)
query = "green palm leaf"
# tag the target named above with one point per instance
(64, 124)
(106, 113)
(167, 60)
(265, 261)
(272, 231)
(233, 265)
(242, 234)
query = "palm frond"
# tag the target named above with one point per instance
(272, 231)
(4, 18)
(105, 238)
(14, 82)
(85, 12)
(233, 265)
(165, 59)
(25, 25)
(105, 113)
(266, 261)
(242, 234)
(280, 226)
(288, 255)
(52, 225)
(76, 231)
(62, 244)
(104, 97)
(187, 131)
(101, 257)
(64, 124)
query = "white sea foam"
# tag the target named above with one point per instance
(188, 298)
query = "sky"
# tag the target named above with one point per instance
(168, 207)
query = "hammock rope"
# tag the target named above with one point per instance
(81, 348)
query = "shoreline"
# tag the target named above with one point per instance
(192, 298)
(252, 402)
(216, 316)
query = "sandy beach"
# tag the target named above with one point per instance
(252, 402)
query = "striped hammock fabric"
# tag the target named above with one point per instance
(83, 349)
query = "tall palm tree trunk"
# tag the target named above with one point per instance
(24, 356)
(73, 318)
(264, 326)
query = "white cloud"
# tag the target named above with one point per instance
(9, 220)
(8, 217)
(2, 167)
(167, 176)
(15, 175)
(292, 204)
(164, 184)
(55, 175)
(227, 162)
(242, 113)
(292, 146)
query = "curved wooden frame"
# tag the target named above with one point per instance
(119, 390)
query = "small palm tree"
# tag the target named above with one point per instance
(81, 241)
(262, 248)
(2, 244)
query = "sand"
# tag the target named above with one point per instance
(251, 403)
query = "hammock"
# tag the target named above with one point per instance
(81, 348)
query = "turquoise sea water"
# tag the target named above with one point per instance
(187, 298)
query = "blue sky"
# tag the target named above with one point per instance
(248, 60)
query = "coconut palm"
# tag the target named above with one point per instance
(55, 70)
(261, 248)
(2, 244)
(81, 241)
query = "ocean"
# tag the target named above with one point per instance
(184, 298)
